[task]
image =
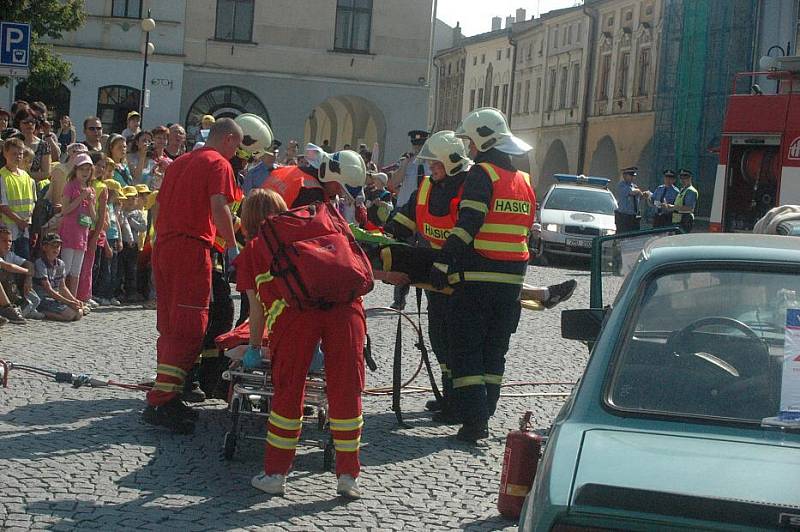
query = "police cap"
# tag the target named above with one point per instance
(418, 136)
(631, 170)
(669, 173)
(685, 173)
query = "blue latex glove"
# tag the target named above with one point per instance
(252, 357)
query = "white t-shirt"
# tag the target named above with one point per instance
(12, 258)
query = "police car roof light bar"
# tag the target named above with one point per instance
(583, 180)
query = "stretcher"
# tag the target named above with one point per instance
(250, 393)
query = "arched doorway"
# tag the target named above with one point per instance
(555, 162)
(223, 102)
(114, 102)
(604, 159)
(646, 172)
(57, 100)
(346, 120)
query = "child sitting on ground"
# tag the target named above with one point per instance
(57, 303)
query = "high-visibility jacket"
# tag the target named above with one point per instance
(677, 216)
(288, 181)
(504, 233)
(435, 229)
(20, 193)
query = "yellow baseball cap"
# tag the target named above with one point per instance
(113, 184)
(143, 189)
(151, 200)
(130, 191)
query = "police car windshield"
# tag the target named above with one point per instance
(580, 200)
(709, 344)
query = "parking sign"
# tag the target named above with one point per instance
(15, 47)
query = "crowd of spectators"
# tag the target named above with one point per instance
(77, 210)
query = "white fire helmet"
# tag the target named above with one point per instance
(487, 128)
(257, 136)
(445, 147)
(346, 167)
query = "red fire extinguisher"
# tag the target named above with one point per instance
(520, 460)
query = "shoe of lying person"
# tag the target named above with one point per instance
(473, 432)
(560, 293)
(272, 484)
(12, 314)
(171, 415)
(347, 486)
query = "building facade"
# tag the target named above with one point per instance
(108, 64)
(487, 72)
(450, 67)
(349, 74)
(549, 90)
(621, 116)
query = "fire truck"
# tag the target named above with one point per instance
(759, 154)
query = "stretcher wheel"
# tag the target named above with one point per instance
(235, 414)
(327, 456)
(322, 419)
(230, 445)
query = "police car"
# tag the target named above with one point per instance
(573, 212)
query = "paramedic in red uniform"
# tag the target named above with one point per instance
(295, 333)
(193, 208)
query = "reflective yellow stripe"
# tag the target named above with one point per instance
(445, 370)
(505, 229)
(526, 177)
(441, 267)
(405, 221)
(274, 311)
(489, 378)
(284, 422)
(212, 352)
(263, 278)
(172, 371)
(434, 245)
(347, 424)
(167, 387)
(281, 442)
(474, 205)
(462, 234)
(487, 277)
(386, 259)
(472, 380)
(424, 189)
(490, 171)
(347, 446)
(491, 245)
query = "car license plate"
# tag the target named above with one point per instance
(574, 243)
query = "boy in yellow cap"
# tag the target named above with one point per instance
(104, 287)
(132, 223)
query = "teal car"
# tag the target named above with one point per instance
(674, 424)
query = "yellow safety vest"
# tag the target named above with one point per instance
(20, 193)
(676, 216)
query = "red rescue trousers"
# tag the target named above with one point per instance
(182, 268)
(293, 341)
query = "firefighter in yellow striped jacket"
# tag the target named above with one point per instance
(484, 258)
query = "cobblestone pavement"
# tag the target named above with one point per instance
(81, 458)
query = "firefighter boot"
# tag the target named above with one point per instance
(473, 432)
(192, 392)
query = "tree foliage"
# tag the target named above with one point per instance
(48, 19)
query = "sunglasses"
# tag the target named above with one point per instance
(95, 128)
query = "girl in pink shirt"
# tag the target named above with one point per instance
(78, 215)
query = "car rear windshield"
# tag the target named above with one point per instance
(707, 343)
(580, 200)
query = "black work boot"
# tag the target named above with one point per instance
(192, 393)
(433, 405)
(171, 415)
(473, 432)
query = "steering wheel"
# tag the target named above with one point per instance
(676, 341)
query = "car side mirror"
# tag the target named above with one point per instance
(582, 324)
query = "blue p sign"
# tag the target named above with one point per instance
(15, 41)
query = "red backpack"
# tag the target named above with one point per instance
(316, 262)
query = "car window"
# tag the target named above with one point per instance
(706, 343)
(580, 200)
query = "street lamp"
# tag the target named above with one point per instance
(148, 25)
